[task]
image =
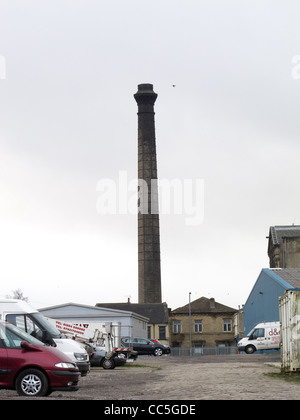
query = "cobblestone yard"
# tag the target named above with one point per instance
(234, 377)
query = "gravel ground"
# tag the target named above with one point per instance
(234, 377)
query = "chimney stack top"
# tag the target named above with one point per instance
(145, 87)
(145, 91)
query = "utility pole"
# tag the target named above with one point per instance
(190, 318)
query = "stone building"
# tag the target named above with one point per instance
(204, 322)
(284, 246)
(238, 324)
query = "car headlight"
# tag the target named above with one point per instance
(65, 365)
(81, 357)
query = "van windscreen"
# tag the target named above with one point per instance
(42, 321)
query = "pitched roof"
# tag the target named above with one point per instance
(75, 310)
(279, 232)
(156, 312)
(290, 275)
(204, 305)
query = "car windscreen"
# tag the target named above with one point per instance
(6, 329)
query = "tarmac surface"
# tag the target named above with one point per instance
(232, 377)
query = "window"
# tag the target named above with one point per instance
(25, 323)
(148, 332)
(17, 320)
(11, 337)
(176, 326)
(227, 325)
(162, 332)
(12, 341)
(198, 328)
(260, 332)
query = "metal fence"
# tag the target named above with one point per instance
(203, 351)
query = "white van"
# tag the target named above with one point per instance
(264, 336)
(24, 316)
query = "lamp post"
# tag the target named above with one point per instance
(190, 319)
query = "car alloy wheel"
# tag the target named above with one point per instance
(32, 383)
(158, 351)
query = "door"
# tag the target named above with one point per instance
(4, 372)
(139, 345)
(143, 346)
(198, 349)
(3, 365)
(259, 339)
(27, 324)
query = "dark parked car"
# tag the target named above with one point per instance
(145, 346)
(31, 367)
(97, 357)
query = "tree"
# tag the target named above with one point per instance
(17, 294)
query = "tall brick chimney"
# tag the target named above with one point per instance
(149, 274)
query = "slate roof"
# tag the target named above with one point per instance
(204, 305)
(156, 312)
(278, 232)
(290, 275)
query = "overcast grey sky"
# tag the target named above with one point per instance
(68, 119)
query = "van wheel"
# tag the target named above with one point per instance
(32, 383)
(250, 349)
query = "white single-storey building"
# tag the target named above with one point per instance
(132, 324)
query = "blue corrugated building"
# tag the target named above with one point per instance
(262, 303)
